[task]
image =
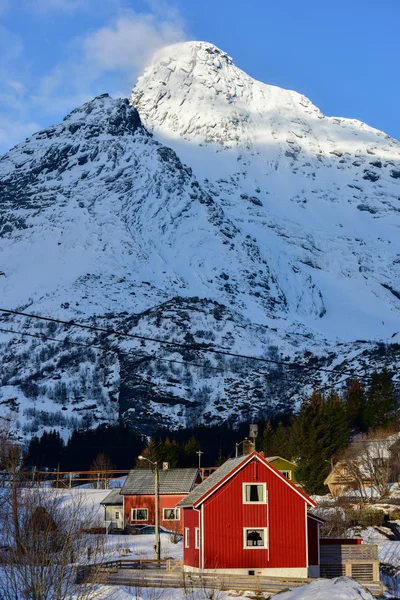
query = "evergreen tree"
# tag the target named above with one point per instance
(45, 451)
(319, 431)
(221, 458)
(280, 442)
(189, 456)
(267, 443)
(382, 407)
(170, 453)
(356, 400)
(152, 451)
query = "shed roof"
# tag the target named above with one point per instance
(227, 469)
(171, 481)
(114, 498)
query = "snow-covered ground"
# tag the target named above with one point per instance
(341, 588)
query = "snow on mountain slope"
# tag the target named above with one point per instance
(245, 220)
(318, 197)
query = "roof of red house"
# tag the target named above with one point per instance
(225, 471)
(171, 481)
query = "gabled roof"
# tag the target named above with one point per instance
(114, 498)
(272, 458)
(226, 471)
(171, 481)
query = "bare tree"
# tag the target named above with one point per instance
(102, 465)
(367, 463)
(43, 542)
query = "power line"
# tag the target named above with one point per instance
(152, 357)
(196, 347)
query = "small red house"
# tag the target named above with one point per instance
(248, 518)
(139, 497)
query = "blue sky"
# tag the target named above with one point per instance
(56, 54)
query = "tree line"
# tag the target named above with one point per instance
(321, 429)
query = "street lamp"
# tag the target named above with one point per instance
(157, 547)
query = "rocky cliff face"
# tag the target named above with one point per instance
(229, 213)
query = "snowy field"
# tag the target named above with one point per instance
(341, 588)
(142, 547)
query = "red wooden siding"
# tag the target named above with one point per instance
(148, 501)
(313, 542)
(225, 517)
(191, 555)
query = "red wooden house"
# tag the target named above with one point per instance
(248, 518)
(139, 497)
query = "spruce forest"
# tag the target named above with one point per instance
(312, 437)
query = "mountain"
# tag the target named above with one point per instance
(210, 209)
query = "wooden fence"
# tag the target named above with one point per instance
(168, 574)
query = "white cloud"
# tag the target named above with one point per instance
(108, 60)
(12, 132)
(129, 44)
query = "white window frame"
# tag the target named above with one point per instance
(197, 538)
(117, 515)
(187, 537)
(264, 529)
(289, 474)
(177, 514)
(263, 484)
(134, 514)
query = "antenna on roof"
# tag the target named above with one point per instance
(253, 433)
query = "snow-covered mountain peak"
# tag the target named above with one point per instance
(193, 92)
(184, 78)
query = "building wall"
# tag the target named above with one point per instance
(313, 542)
(285, 465)
(111, 513)
(191, 555)
(225, 517)
(148, 501)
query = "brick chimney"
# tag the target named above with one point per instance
(248, 446)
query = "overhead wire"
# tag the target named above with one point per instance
(152, 357)
(198, 347)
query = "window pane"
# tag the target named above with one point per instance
(255, 537)
(254, 493)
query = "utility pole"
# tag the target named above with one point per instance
(157, 509)
(199, 453)
(157, 545)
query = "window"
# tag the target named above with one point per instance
(254, 493)
(287, 474)
(171, 514)
(187, 537)
(255, 538)
(116, 514)
(197, 538)
(140, 514)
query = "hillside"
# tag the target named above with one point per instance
(211, 209)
